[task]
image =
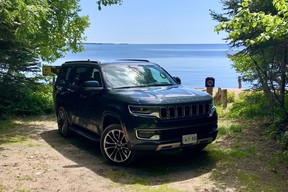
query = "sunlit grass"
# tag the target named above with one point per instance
(2, 188)
(160, 188)
(20, 130)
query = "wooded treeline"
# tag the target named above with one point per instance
(32, 32)
(259, 29)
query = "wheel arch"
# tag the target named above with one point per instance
(109, 118)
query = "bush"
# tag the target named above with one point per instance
(255, 105)
(26, 98)
(251, 105)
(35, 100)
(279, 132)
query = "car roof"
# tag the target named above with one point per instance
(118, 62)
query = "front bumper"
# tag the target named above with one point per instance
(169, 133)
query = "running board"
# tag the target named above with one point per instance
(85, 133)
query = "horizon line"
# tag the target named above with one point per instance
(154, 43)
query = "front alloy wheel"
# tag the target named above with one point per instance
(114, 146)
(62, 121)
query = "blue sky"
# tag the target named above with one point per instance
(153, 21)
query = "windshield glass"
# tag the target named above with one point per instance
(126, 76)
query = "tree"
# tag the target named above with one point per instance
(31, 31)
(260, 28)
(108, 2)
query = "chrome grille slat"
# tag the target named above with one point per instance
(182, 111)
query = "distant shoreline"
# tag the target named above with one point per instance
(156, 43)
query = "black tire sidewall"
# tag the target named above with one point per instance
(64, 130)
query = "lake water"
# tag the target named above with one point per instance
(191, 62)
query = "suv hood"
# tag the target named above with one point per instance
(159, 95)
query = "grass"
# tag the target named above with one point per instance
(141, 183)
(229, 129)
(243, 161)
(235, 159)
(9, 132)
(2, 187)
(19, 131)
(161, 188)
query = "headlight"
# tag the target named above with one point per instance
(144, 111)
(212, 110)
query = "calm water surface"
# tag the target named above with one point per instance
(191, 62)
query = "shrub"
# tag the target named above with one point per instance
(34, 100)
(25, 98)
(250, 105)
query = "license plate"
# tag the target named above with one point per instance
(189, 139)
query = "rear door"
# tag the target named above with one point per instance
(79, 75)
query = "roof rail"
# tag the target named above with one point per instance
(141, 60)
(83, 61)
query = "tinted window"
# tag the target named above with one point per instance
(136, 76)
(64, 74)
(96, 75)
(79, 75)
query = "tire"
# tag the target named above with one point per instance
(63, 123)
(114, 146)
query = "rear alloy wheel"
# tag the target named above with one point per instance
(63, 124)
(114, 146)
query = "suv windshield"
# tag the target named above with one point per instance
(126, 76)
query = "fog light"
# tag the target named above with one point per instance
(147, 135)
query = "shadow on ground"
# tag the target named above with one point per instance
(148, 169)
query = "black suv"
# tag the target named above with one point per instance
(132, 106)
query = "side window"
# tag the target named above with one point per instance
(96, 76)
(64, 74)
(68, 73)
(79, 75)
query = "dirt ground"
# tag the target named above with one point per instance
(34, 157)
(41, 160)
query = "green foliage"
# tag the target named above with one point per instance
(257, 22)
(229, 128)
(279, 132)
(31, 31)
(34, 100)
(260, 29)
(231, 97)
(255, 104)
(250, 105)
(108, 2)
(47, 29)
(27, 99)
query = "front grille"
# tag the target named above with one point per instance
(194, 110)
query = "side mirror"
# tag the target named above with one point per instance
(178, 80)
(92, 85)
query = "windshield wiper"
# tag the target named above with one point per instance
(139, 86)
(156, 85)
(128, 87)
